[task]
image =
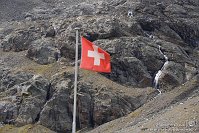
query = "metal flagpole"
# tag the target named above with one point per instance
(75, 83)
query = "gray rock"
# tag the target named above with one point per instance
(175, 9)
(102, 27)
(18, 40)
(43, 51)
(133, 63)
(190, 72)
(8, 111)
(131, 71)
(57, 112)
(109, 105)
(34, 94)
(22, 101)
(174, 52)
(8, 80)
(50, 32)
(95, 104)
(172, 76)
(187, 30)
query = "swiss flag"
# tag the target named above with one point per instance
(94, 58)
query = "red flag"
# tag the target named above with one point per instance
(94, 58)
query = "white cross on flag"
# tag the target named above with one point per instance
(94, 58)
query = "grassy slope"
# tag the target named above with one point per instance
(25, 129)
(164, 108)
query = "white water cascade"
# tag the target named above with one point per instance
(159, 73)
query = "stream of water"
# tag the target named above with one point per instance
(159, 73)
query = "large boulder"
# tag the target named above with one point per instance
(43, 51)
(20, 40)
(57, 112)
(23, 99)
(34, 95)
(172, 75)
(9, 79)
(131, 71)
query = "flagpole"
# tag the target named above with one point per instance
(75, 83)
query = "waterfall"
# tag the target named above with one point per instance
(159, 73)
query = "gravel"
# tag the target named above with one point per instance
(16, 9)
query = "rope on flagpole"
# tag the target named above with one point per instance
(75, 83)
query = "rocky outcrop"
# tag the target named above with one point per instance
(33, 99)
(57, 112)
(103, 27)
(43, 51)
(172, 75)
(23, 99)
(95, 104)
(149, 59)
(131, 71)
(34, 94)
(19, 40)
(9, 79)
(142, 37)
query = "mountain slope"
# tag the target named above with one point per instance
(154, 50)
(174, 111)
